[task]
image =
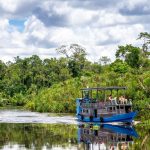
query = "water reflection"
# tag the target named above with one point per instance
(106, 136)
(14, 136)
(37, 136)
(65, 136)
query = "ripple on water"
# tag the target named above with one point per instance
(21, 116)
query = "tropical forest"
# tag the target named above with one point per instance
(53, 84)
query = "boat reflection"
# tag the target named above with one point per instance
(105, 136)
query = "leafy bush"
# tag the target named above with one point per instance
(18, 99)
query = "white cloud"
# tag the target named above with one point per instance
(110, 18)
(9, 5)
(81, 17)
(99, 27)
(35, 28)
(4, 24)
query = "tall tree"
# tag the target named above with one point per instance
(105, 60)
(146, 42)
(74, 51)
(130, 54)
(2, 70)
(76, 55)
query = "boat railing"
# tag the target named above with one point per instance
(117, 102)
(101, 105)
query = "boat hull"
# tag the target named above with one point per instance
(126, 118)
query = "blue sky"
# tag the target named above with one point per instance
(39, 27)
(17, 23)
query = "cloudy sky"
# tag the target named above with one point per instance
(30, 27)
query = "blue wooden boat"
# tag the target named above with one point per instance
(95, 106)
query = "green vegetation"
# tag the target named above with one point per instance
(52, 85)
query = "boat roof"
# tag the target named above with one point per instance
(104, 88)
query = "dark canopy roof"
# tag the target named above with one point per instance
(105, 88)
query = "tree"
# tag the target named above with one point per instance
(146, 39)
(130, 54)
(2, 70)
(76, 56)
(63, 69)
(95, 68)
(73, 51)
(105, 60)
(119, 66)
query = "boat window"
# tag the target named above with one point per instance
(110, 108)
(87, 131)
(85, 111)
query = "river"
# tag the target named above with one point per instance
(25, 130)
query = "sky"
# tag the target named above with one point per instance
(38, 27)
